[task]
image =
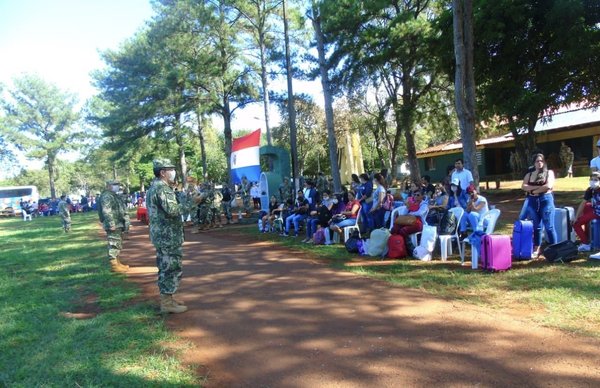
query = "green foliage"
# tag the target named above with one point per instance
(48, 276)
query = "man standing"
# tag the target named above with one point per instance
(226, 201)
(166, 233)
(65, 213)
(465, 178)
(115, 220)
(595, 163)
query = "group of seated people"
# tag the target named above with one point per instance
(370, 202)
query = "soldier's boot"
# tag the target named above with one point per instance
(168, 305)
(116, 266)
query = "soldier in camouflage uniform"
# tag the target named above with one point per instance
(226, 198)
(285, 191)
(204, 201)
(322, 183)
(65, 214)
(244, 190)
(115, 221)
(215, 208)
(166, 233)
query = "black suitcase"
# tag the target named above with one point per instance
(564, 252)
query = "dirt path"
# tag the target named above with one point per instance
(260, 317)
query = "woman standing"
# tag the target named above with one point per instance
(538, 185)
(377, 212)
(366, 200)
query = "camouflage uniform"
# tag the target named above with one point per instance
(65, 215)
(215, 208)
(166, 231)
(285, 191)
(322, 183)
(204, 205)
(245, 187)
(115, 220)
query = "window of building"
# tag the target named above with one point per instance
(429, 164)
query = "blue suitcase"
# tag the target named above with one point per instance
(595, 237)
(522, 241)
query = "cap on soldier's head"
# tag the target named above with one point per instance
(161, 163)
(111, 182)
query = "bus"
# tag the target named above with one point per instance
(11, 196)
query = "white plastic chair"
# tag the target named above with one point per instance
(491, 217)
(413, 237)
(446, 239)
(26, 216)
(350, 228)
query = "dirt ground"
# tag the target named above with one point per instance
(260, 316)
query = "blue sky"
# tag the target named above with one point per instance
(60, 39)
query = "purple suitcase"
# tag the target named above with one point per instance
(496, 252)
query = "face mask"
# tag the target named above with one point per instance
(171, 175)
(115, 188)
(594, 184)
(325, 198)
(454, 188)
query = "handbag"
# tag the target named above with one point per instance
(338, 218)
(405, 220)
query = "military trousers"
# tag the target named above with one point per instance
(227, 209)
(115, 243)
(168, 261)
(66, 223)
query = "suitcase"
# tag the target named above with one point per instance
(522, 241)
(564, 252)
(396, 247)
(495, 252)
(562, 224)
(595, 234)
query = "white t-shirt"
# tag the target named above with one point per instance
(465, 177)
(481, 200)
(595, 163)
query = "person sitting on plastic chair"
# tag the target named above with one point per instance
(344, 219)
(476, 208)
(418, 208)
(299, 214)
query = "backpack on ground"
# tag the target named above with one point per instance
(396, 247)
(378, 242)
(563, 252)
(352, 243)
(319, 237)
(448, 223)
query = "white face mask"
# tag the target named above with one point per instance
(594, 184)
(171, 175)
(454, 188)
(325, 198)
(115, 188)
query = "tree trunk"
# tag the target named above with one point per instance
(265, 85)
(52, 175)
(411, 149)
(291, 106)
(226, 112)
(180, 150)
(464, 82)
(331, 140)
(202, 146)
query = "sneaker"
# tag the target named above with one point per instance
(584, 248)
(305, 240)
(595, 256)
(285, 234)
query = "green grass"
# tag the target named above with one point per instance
(563, 296)
(47, 274)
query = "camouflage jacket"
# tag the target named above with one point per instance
(112, 211)
(166, 227)
(63, 209)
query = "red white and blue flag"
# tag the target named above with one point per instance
(245, 157)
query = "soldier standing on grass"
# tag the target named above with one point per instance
(166, 233)
(65, 214)
(115, 220)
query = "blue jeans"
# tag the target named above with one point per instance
(311, 227)
(376, 219)
(295, 219)
(463, 199)
(364, 214)
(540, 210)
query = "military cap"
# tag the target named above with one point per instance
(112, 182)
(161, 163)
